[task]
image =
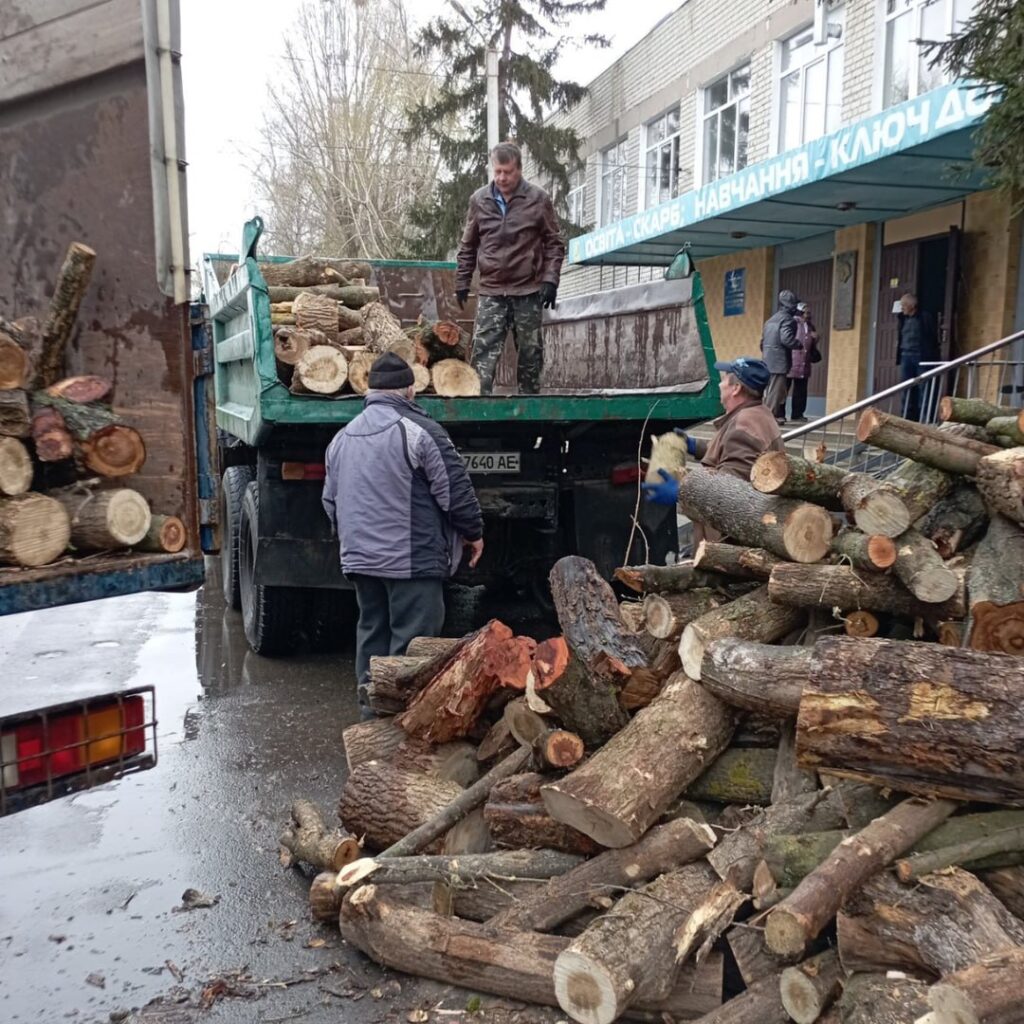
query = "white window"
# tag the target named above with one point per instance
(908, 23)
(726, 123)
(577, 196)
(811, 84)
(613, 182)
(661, 159)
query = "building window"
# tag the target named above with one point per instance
(811, 84)
(661, 159)
(726, 124)
(613, 182)
(577, 196)
(907, 24)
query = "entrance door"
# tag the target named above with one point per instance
(812, 283)
(897, 274)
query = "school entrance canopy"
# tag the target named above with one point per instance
(908, 158)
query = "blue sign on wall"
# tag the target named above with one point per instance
(736, 292)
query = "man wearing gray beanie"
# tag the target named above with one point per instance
(403, 506)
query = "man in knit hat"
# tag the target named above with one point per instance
(403, 506)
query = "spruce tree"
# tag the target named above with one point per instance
(529, 36)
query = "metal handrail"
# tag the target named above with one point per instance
(896, 389)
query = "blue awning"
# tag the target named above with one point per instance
(908, 158)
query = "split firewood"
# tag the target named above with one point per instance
(955, 521)
(667, 579)
(15, 420)
(735, 561)
(667, 745)
(359, 371)
(796, 530)
(1008, 841)
(972, 410)
(15, 467)
(667, 615)
(739, 775)
(875, 998)
(921, 570)
(1007, 431)
(943, 923)
(789, 476)
(751, 617)
(453, 378)
(50, 436)
(872, 552)
(808, 989)
(102, 520)
(82, 390)
(878, 710)
(72, 282)
(376, 739)
(320, 370)
(34, 529)
(519, 965)
(802, 915)
(114, 451)
(874, 505)
(309, 840)
(310, 270)
(921, 442)
(166, 534)
(756, 677)
(1001, 483)
(986, 992)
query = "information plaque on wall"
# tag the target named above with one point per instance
(845, 291)
(736, 292)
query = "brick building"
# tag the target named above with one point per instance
(802, 148)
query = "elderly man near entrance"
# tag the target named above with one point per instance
(512, 238)
(402, 504)
(747, 430)
(778, 340)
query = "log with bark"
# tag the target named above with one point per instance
(359, 371)
(667, 615)
(796, 530)
(1001, 483)
(320, 370)
(440, 340)
(314, 312)
(102, 520)
(1006, 842)
(452, 378)
(82, 389)
(919, 717)
(454, 762)
(874, 505)
(307, 839)
(395, 679)
(552, 748)
(788, 778)
(955, 521)
(431, 646)
(789, 476)
(753, 959)
(760, 1004)
(920, 569)
(922, 443)
(756, 677)
(739, 775)
(734, 561)
(1007, 885)
(308, 271)
(971, 410)
(381, 328)
(801, 916)
(166, 534)
(920, 486)
(14, 365)
(290, 345)
(808, 989)
(1007, 431)
(72, 282)
(882, 999)
(50, 436)
(15, 467)
(114, 451)
(15, 420)
(871, 552)
(986, 992)
(667, 579)
(34, 529)
(374, 740)
(625, 786)
(642, 688)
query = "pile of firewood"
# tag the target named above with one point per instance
(703, 804)
(330, 326)
(64, 451)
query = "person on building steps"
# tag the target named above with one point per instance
(805, 355)
(918, 343)
(401, 502)
(747, 430)
(513, 239)
(778, 340)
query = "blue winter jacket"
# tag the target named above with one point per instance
(398, 493)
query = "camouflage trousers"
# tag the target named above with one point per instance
(495, 316)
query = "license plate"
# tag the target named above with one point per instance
(491, 462)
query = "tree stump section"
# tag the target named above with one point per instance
(789, 476)
(871, 552)
(452, 378)
(166, 534)
(956, 521)
(667, 615)
(321, 370)
(114, 451)
(987, 992)
(740, 775)
(920, 569)
(72, 282)
(309, 840)
(15, 467)
(810, 988)
(102, 520)
(875, 506)
(15, 420)
(734, 561)
(756, 677)
(1001, 483)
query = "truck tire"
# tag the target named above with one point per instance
(273, 617)
(331, 623)
(232, 490)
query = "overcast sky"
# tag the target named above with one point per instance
(231, 51)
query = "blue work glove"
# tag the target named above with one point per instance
(691, 442)
(665, 493)
(548, 292)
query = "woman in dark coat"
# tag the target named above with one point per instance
(804, 356)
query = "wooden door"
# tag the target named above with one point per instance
(948, 343)
(897, 275)
(812, 283)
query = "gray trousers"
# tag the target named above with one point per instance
(775, 394)
(391, 613)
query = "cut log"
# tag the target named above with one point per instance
(791, 858)
(1006, 430)
(101, 520)
(15, 420)
(875, 506)
(553, 748)
(381, 328)
(81, 390)
(359, 371)
(1007, 885)
(322, 370)
(861, 803)
(14, 366)
(421, 378)
(454, 762)
(314, 312)
(919, 717)
(643, 687)
(838, 586)
(667, 615)
(441, 340)
(15, 467)
(498, 742)
(790, 529)
(920, 569)
(634, 952)
(1001, 483)
(1007, 841)
(951, 634)
(404, 349)
(922, 443)
(861, 624)
(872, 552)
(735, 561)
(760, 1004)
(34, 529)
(375, 740)
(971, 410)
(751, 617)
(740, 775)
(667, 745)
(753, 959)
(452, 378)
(810, 988)
(114, 451)
(72, 282)
(802, 915)
(756, 677)
(519, 965)
(81, 420)
(920, 486)
(789, 476)
(431, 646)
(517, 818)
(351, 342)
(882, 999)
(987, 992)
(662, 849)
(291, 344)
(632, 614)
(941, 924)
(667, 579)
(310, 270)
(308, 840)
(396, 679)
(956, 521)
(166, 534)
(789, 779)
(668, 453)
(52, 439)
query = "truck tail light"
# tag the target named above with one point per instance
(303, 471)
(626, 473)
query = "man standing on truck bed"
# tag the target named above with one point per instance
(512, 237)
(403, 506)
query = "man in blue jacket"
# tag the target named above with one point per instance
(403, 506)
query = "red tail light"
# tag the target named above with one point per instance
(303, 471)
(627, 473)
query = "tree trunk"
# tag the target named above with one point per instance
(15, 420)
(452, 378)
(311, 270)
(971, 410)
(735, 561)
(359, 371)
(14, 366)
(81, 390)
(375, 740)
(791, 858)
(668, 579)
(667, 744)
(875, 506)
(751, 617)
(519, 965)
(987, 992)
(309, 840)
(101, 520)
(756, 677)
(114, 451)
(1001, 483)
(871, 552)
(667, 615)
(789, 476)
(760, 1004)
(790, 529)
(922, 443)
(956, 521)
(810, 988)
(517, 818)
(880, 999)
(920, 569)
(883, 710)
(838, 586)
(15, 467)
(740, 775)
(34, 529)
(166, 534)
(453, 762)
(802, 915)
(1006, 430)
(72, 283)
(321, 370)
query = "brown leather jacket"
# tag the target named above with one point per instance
(741, 436)
(514, 253)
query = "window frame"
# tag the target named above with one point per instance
(621, 171)
(675, 140)
(704, 115)
(577, 192)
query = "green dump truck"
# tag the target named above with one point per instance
(556, 473)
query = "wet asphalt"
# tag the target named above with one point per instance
(92, 883)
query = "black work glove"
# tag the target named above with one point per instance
(461, 296)
(547, 295)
